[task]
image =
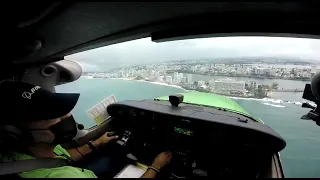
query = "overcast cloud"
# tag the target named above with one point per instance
(145, 51)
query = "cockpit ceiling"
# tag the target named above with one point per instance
(53, 30)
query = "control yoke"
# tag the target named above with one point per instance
(312, 93)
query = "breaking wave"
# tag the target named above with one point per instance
(165, 84)
(274, 105)
(271, 102)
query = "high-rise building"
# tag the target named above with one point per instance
(175, 77)
(183, 80)
(253, 84)
(160, 78)
(260, 71)
(168, 79)
(189, 79)
(180, 76)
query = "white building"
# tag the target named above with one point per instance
(175, 76)
(229, 86)
(179, 79)
(168, 79)
(183, 80)
(260, 71)
(160, 78)
(189, 79)
(253, 84)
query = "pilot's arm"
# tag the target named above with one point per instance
(159, 162)
(85, 149)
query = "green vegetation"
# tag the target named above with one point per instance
(262, 91)
(274, 85)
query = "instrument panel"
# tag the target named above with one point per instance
(208, 123)
(195, 135)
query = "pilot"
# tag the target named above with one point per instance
(35, 122)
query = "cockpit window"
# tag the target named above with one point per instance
(266, 76)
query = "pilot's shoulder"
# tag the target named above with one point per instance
(59, 172)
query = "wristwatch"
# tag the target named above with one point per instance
(92, 147)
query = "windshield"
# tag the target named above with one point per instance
(264, 75)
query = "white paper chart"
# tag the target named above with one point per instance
(131, 171)
(98, 113)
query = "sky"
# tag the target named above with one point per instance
(143, 51)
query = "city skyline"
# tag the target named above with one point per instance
(207, 67)
(144, 51)
(180, 74)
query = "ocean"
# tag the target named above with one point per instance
(300, 158)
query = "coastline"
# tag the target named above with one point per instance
(127, 79)
(248, 76)
(141, 80)
(266, 100)
(165, 84)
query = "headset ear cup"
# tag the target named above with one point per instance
(12, 137)
(8, 139)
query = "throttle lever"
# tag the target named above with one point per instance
(113, 133)
(124, 139)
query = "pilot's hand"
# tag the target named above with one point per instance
(162, 160)
(104, 139)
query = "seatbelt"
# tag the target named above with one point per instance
(20, 166)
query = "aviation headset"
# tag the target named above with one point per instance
(12, 137)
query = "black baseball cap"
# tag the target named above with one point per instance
(21, 102)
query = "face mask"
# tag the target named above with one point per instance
(63, 131)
